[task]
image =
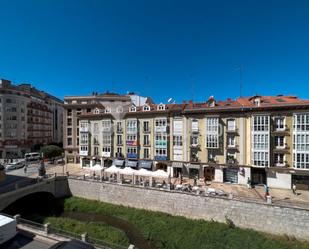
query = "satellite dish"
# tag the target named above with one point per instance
(169, 100)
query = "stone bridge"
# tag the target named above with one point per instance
(56, 185)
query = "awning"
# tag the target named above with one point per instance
(145, 164)
(177, 165)
(131, 163)
(193, 166)
(118, 162)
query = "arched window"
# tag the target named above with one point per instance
(132, 108)
(161, 107)
(146, 108)
(96, 111)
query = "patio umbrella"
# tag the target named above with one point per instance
(160, 174)
(143, 172)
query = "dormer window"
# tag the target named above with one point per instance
(108, 110)
(146, 108)
(257, 102)
(132, 108)
(161, 107)
(119, 109)
(96, 111)
(212, 103)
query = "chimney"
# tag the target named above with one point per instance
(191, 103)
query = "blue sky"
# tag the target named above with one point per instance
(180, 49)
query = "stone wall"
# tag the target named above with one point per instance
(257, 216)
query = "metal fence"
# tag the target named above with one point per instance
(52, 230)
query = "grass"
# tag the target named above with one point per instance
(174, 232)
(96, 230)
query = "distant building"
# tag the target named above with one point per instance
(28, 118)
(263, 138)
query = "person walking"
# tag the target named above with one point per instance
(25, 168)
(294, 189)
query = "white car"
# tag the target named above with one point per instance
(16, 165)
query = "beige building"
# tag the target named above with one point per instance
(261, 138)
(28, 118)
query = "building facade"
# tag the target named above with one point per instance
(261, 138)
(28, 118)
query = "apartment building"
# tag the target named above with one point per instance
(262, 138)
(28, 118)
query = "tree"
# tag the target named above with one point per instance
(51, 151)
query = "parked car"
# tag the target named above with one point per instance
(73, 244)
(7, 228)
(15, 165)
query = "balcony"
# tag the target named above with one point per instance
(232, 147)
(231, 161)
(161, 129)
(285, 130)
(285, 149)
(132, 155)
(84, 129)
(131, 142)
(232, 131)
(147, 130)
(161, 144)
(119, 130)
(281, 165)
(106, 129)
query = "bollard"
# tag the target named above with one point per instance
(268, 199)
(84, 177)
(55, 174)
(46, 228)
(16, 218)
(84, 237)
(131, 246)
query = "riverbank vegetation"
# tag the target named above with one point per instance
(174, 232)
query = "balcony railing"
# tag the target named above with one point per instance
(160, 128)
(84, 129)
(232, 130)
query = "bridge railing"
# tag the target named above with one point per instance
(49, 230)
(24, 183)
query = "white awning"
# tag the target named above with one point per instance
(112, 169)
(143, 172)
(160, 174)
(96, 167)
(127, 171)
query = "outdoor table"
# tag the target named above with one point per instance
(178, 187)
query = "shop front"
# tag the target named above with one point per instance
(118, 163)
(301, 181)
(258, 176)
(209, 173)
(131, 163)
(193, 170)
(86, 162)
(230, 175)
(177, 169)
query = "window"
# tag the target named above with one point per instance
(212, 132)
(132, 109)
(177, 127)
(146, 140)
(119, 139)
(106, 138)
(195, 125)
(96, 111)
(146, 153)
(84, 138)
(132, 126)
(106, 149)
(119, 151)
(194, 140)
(279, 123)
(119, 126)
(132, 150)
(231, 141)
(146, 126)
(231, 124)
(146, 108)
(84, 148)
(260, 158)
(301, 141)
(131, 137)
(69, 121)
(260, 123)
(161, 107)
(260, 140)
(69, 141)
(95, 139)
(279, 160)
(69, 132)
(161, 140)
(96, 151)
(177, 140)
(69, 112)
(161, 122)
(279, 142)
(161, 152)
